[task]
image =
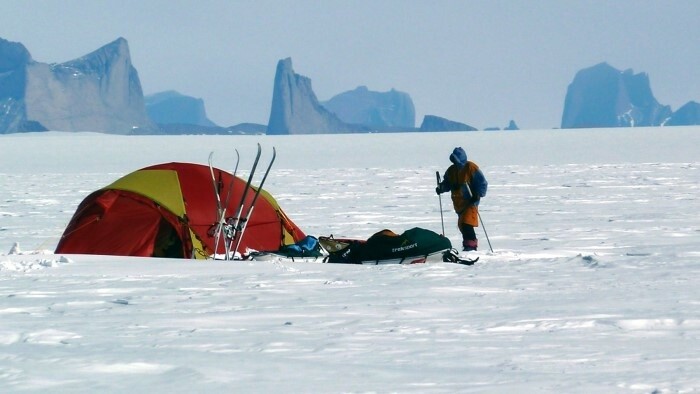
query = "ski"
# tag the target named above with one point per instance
(220, 210)
(230, 186)
(215, 184)
(452, 256)
(255, 198)
(227, 229)
(235, 221)
(467, 261)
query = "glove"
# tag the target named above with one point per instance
(437, 190)
(475, 199)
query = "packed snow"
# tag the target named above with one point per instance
(592, 285)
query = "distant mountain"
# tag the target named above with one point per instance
(602, 96)
(175, 113)
(190, 129)
(436, 123)
(171, 107)
(14, 60)
(687, 115)
(377, 110)
(512, 126)
(247, 128)
(295, 108)
(100, 91)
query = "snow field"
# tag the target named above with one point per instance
(592, 285)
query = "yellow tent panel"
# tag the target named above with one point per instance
(163, 186)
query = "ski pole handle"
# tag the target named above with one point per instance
(442, 219)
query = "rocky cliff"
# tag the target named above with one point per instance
(602, 96)
(436, 123)
(99, 92)
(14, 59)
(687, 115)
(171, 107)
(512, 126)
(377, 110)
(295, 108)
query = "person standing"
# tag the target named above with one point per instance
(467, 185)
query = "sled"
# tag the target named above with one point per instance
(414, 246)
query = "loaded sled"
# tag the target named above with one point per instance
(414, 246)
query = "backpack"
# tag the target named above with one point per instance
(306, 247)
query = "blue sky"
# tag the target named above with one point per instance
(477, 62)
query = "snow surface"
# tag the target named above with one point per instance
(593, 285)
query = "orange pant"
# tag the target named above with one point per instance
(470, 216)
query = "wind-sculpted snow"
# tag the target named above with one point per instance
(26, 264)
(592, 285)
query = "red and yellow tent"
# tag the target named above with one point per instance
(170, 210)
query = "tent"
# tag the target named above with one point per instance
(170, 210)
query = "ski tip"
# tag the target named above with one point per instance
(452, 256)
(468, 261)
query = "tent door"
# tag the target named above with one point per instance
(167, 243)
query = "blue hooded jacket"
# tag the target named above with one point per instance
(459, 157)
(478, 184)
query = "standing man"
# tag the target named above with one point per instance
(467, 185)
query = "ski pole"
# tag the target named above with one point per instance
(482, 222)
(442, 220)
(485, 233)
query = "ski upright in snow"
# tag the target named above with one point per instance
(233, 223)
(228, 232)
(217, 232)
(222, 229)
(244, 220)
